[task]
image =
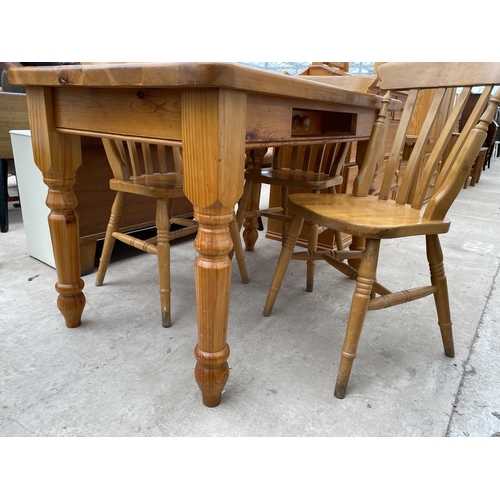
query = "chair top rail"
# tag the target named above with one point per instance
(406, 76)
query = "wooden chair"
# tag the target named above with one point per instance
(311, 167)
(484, 156)
(476, 168)
(490, 142)
(144, 169)
(417, 210)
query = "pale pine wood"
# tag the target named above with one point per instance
(376, 218)
(211, 110)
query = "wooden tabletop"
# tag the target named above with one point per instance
(172, 75)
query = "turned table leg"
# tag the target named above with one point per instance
(213, 281)
(213, 136)
(58, 156)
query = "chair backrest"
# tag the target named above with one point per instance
(130, 159)
(447, 172)
(327, 158)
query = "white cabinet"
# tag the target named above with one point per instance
(33, 193)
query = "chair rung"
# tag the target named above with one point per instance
(183, 222)
(266, 212)
(332, 254)
(179, 233)
(396, 298)
(136, 243)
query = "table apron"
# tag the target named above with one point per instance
(154, 115)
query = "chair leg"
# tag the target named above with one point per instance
(475, 174)
(250, 233)
(438, 278)
(312, 246)
(359, 306)
(284, 204)
(242, 204)
(238, 250)
(163, 215)
(283, 262)
(339, 242)
(109, 239)
(4, 194)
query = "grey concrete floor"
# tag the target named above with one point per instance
(122, 374)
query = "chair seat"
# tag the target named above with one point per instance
(294, 178)
(154, 185)
(365, 216)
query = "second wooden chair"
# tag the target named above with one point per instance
(154, 171)
(313, 168)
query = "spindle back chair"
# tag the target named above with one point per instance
(155, 171)
(416, 205)
(315, 167)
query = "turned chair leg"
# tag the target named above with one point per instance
(109, 239)
(438, 278)
(163, 216)
(284, 204)
(235, 230)
(242, 204)
(236, 225)
(312, 246)
(339, 242)
(283, 262)
(359, 307)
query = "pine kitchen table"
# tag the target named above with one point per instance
(216, 112)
